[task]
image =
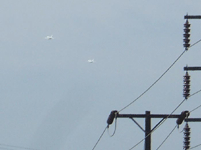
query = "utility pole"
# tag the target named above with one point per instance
(148, 131)
(148, 116)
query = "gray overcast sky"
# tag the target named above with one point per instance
(53, 99)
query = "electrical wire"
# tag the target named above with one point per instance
(195, 146)
(159, 77)
(154, 82)
(195, 43)
(166, 119)
(193, 95)
(195, 108)
(167, 137)
(172, 113)
(159, 124)
(100, 138)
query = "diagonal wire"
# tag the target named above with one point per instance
(195, 108)
(195, 43)
(193, 95)
(165, 119)
(153, 130)
(154, 82)
(195, 146)
(99, 138)
(167, 137)
(159, 124)
(159, 77)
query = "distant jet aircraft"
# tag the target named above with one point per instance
(49, 37)
(91, 61)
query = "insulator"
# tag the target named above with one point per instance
(184, 114)
(186, 30)
(186, 40)
(186, 137)
(186, 90)
(186, 35)
(111, 117)
(187, 25)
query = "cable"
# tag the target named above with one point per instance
(166, 119)
(99, 138)
(158, 78)
(195, 108)
(193, 95)
(139, 142)
(174, 111)
(195, 43)
(195, 146)
(154, 82)
(167, 137)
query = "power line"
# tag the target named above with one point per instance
(158, 125)
(159, 77)
(195, 108)
(167, 137)
(99, 138)
(193, 95)
(195, 43)
(154, 82)
(175, 110)
(195, 146)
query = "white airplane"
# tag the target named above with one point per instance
(91, 61)
(49, 37)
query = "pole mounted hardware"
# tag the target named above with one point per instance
(192, 17)
(187, 138)
(192, 68)
(186, 35)
(183, 115)
(186, 90)
(148, 116)
(111, 117)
